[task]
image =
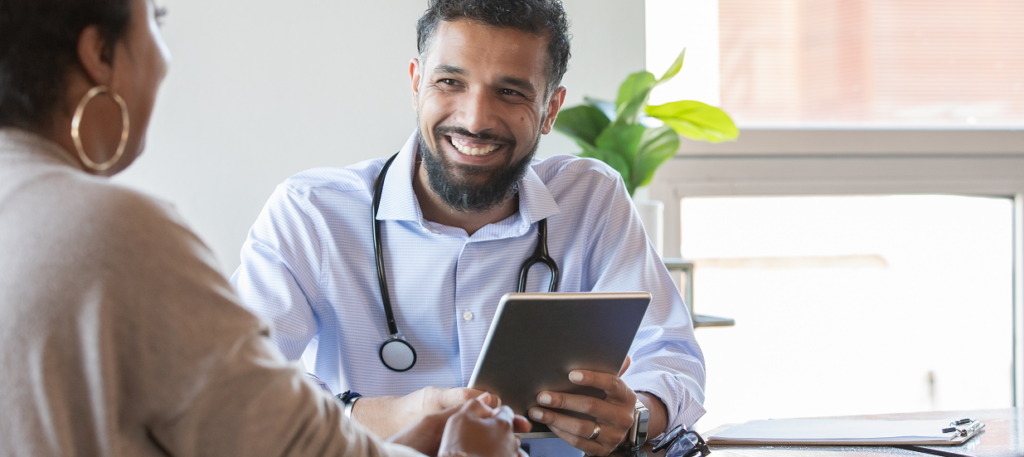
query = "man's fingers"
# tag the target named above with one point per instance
(610, 432)
(616, 389)
(588, 447)
(606, 412)
(576, 432)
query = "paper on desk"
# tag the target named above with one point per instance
(835, 430)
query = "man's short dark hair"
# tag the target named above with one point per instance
(39, 47)
(539, 17)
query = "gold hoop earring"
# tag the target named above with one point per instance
(76, 122)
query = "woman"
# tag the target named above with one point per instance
(118, 336)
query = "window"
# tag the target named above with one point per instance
(876, 108)
(875, 304)
(873, 62)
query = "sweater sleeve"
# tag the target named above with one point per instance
(192, 365)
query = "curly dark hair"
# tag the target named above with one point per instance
(538, 17)
(39, 47)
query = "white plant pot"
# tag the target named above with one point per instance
(652, 214)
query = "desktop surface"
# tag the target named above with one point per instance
(1003, 436)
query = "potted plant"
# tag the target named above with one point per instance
(625, 136)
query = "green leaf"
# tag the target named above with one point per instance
(636, 84)
(674, 69)
(582, 123)
(696, 120)
(608, 108)
(612, 158)
(622, 139)
(633, 95)
(656, 146)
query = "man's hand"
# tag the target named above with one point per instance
(614, 414)
(479, 430)
(385, 416)
(425, 434)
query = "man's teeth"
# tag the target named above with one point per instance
(471, 151)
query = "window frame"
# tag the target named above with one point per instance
(856, 161)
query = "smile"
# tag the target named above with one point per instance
(473, 148)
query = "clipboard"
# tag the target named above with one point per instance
(843, 432)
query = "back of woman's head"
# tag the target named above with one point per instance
(39, 48)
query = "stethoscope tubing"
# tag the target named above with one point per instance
(382, 277)
(540, 255)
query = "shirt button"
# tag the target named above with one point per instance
(468, 316)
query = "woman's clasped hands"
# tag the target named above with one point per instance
(471, 429)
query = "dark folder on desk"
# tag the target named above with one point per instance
(844, 432)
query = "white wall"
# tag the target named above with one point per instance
(676, 24)
(260, 90)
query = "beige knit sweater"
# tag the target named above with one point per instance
(118, 335)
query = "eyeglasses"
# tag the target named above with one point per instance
(681, 442)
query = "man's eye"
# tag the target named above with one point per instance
(511, 92)
(449, 82)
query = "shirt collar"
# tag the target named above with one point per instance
(398, 200)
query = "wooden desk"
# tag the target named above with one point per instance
(1003, 436)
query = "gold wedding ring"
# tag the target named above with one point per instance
(597, 431)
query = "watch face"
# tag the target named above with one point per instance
(640, 423)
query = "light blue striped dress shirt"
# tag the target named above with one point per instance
(308, 267)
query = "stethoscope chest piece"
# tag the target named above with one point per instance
(397, 354)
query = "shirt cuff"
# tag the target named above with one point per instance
(680, 403)
(319, 383)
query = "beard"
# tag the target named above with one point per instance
(456, 184)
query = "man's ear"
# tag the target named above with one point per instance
(554, 104)
(97, 63)
(414, 77)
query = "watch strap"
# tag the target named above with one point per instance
(348, 398)
(641, 420)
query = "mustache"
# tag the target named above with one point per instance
(440, 131)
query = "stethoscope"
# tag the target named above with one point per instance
(396, 353)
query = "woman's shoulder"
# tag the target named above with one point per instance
(100, 201)
(117, 222)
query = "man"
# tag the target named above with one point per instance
(459, 212)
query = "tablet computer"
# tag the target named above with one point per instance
(535, 340)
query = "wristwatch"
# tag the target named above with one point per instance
(348, 398)
(638, 432)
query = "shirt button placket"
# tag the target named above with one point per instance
(465, 310)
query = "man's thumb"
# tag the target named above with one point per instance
(625, 366)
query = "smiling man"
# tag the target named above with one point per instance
(460, 208)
